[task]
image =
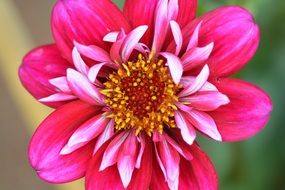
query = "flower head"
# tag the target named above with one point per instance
(132, 88)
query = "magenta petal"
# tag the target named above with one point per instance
(78, 62)
(85, 133)
(38, 67)
(187, 12)
(52, 135)
(93, 72)
(85, 21)
(134, 10)
(96, 179)
(246, 114)
(198, 173)
(235, 35)
(105, 135)
(174, 65)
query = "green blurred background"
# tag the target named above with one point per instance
(254, 164)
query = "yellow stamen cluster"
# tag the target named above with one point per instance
(141, 95)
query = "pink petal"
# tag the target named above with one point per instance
(85, 21)
(85, 133)
(161, 25)
(170, 160)
(200, 80)
(187, 131)
(96, 179)
(78, 62)
(61, 84)
(206, 101)
(235, 35)
(83, 89)
(174, 65)
(111, 37)
(197, 56)
(157, 179)
(133, 10)
(246, 114)
(58, 97)
(177, 34)
(194, 39)
(204, 123)
(94, 70)
(173, 9)
(116, 47)
(141, 177)
(142, 142)
(131, 41)
(110, 156)
(38, 67)
(105, 135)
(127, 159)
(93, 52)
(51, 136)
(198, 173)
(189, 80)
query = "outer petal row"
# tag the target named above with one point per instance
(50, 137)
(38, 67)
(85, 21)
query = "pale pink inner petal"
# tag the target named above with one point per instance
(78, 62)
(189, 80)
(93, 71)
(93, 52)
(170, 160)
(187, 131)
(161, 25)
(111, 37)
(177, 34)
(173, 9)
(58, 97)
(127, 159)
(204, 123)
(86, 132)
(141, 140)
(105, 135)
(206, 101)
(194, 38)
(111, 153)
(200, 80)
(83, 88)
(174, 65)
(183, 152)
(196, 56)
(131, 41)
(61, 84)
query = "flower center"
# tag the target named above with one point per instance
(141, 95)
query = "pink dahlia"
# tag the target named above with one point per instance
(131, 89)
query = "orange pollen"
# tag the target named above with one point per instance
(141, 95)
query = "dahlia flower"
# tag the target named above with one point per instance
(131, 90)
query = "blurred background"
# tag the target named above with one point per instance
(255, 164)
